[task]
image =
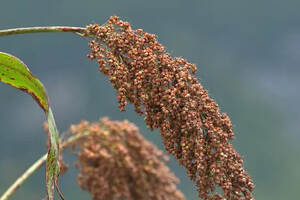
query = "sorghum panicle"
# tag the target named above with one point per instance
(163, 88)
(117, 162)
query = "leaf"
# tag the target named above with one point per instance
(52, 165)
(15, 73)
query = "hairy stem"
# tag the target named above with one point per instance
(42, 29)
(35, 166)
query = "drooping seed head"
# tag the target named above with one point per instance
(163, 89)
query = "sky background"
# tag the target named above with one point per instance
(247, 54)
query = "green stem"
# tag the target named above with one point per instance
(35, 166)
(23, 177)
(42, 29)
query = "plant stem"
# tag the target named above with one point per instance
(23, 177)
(42, 29)
(35, 166)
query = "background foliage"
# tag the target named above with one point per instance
(247, 55)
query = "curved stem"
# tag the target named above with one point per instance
(35, 166)
(41, 29)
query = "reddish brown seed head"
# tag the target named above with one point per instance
(163, 89)
(117, 162)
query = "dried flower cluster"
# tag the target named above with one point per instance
(117, 163)
(162, 88)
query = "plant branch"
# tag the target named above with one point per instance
(35, 166)
(23, 177)
(42, 29)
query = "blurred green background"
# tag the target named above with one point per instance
(247, 53)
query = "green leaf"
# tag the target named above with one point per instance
(52, 164)
(15, 73)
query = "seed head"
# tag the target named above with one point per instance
(117, 162)
(163, 89)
